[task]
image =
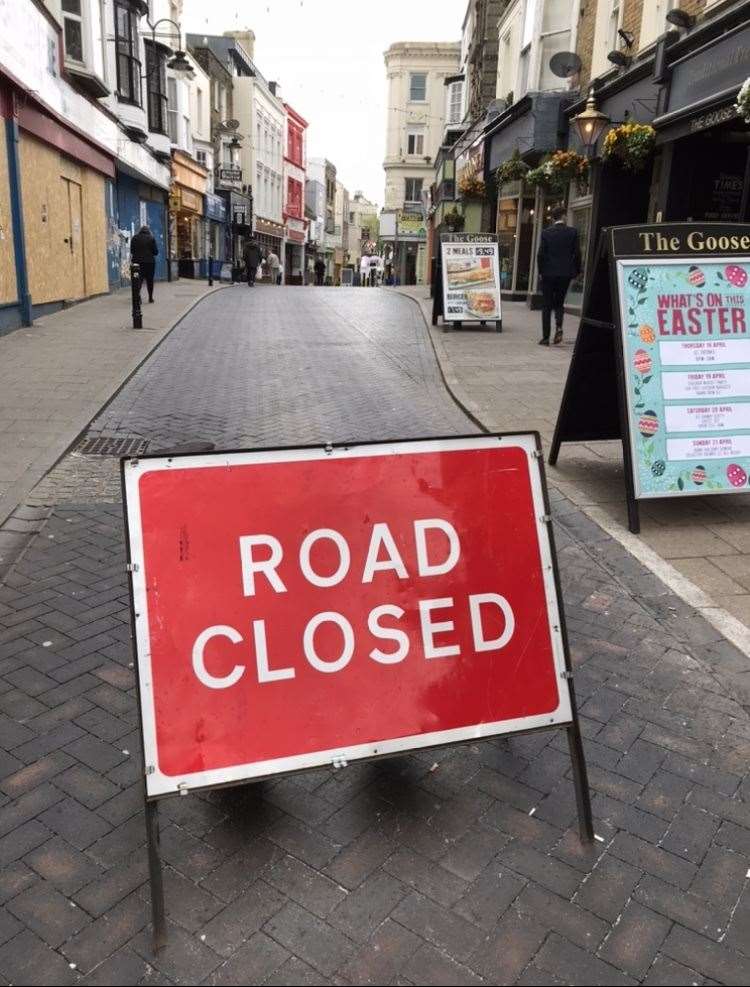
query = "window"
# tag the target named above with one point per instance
(72, 30)
(614, 24)
(413, 190)
(199, 109)
(200, 157)
(215, 87)
(653, 20)
(172, 114)
(454, 110)
(156, 87)
(417, 87)
(415, 141)
(128, 62)
(555, 37)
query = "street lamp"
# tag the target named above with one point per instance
(590, 124)
(178, 63)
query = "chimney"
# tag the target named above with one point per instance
(275, 88)
(245, 38)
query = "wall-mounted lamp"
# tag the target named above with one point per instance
(680, 18)
(590, 124)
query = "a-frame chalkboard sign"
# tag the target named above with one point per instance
(662, 359)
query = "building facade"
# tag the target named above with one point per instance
(295, 163)
(416, 74)
(680, 77)
(85, 162)
(322, 172)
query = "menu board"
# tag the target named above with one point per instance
(686, 360)
(471, 278)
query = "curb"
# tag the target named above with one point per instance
(724, 622)
(15, 495)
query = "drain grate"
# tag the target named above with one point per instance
(107, 446)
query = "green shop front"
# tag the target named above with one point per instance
(523, 135)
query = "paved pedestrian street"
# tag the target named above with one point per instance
(452, 866)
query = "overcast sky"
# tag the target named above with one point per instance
(328, 57)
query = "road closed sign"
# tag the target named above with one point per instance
(313, 606)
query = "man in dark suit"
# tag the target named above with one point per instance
(559, 261)
(143, 251)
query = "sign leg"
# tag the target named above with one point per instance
(158, 916)
(581, 783)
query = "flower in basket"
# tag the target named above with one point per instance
(471, 183)
(569, 166)
(630, 144)
(514, 169)
(545, 176)
(743, 101)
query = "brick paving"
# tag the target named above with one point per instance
(450, 866)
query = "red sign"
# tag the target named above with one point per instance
(313, 606)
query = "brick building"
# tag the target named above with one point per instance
(676, 66)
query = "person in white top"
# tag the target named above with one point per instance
(364, 269)
(273, 264)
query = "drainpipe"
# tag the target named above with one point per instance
(16, 212)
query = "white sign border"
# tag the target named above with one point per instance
(645, 261)
(160, 784)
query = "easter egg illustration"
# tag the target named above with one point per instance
(642, 362)
(648, 424)
(658, 467)
(696, 277)
(736, 475)
(699, 475)
(647, 334)
(638, 278)
(736, 275)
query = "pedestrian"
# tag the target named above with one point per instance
(559, 261)
(143, 251)
(320, 270)
(252, 256)
(273, 264)
(364, 269)
(374, 268)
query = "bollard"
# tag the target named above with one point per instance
(210, 274)
(135, 287)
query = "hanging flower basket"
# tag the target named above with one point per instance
(743, 101)
(453, 221)
(545, 176)
(514, 169)
(569, 166)
(630, 145)
(471, 183)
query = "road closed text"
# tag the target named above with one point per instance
(223, 654)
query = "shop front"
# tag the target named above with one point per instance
(294, 261)
(703, 145)
(526, 132)
(270, 236)
(216, 236)
(186, 213)
(238, 227)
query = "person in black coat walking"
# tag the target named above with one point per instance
(143, 251)
(252, 255)
(559, 261)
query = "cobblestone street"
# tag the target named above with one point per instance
(452, 866)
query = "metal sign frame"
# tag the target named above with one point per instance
(158, 786)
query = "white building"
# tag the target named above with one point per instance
(262, 119)
(416, 73)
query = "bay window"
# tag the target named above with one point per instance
(156, 87)
(128, 60)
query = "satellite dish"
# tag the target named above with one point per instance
(231, 124)
(564, 64)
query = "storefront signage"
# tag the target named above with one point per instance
(411, 226)
(229, 176)
(190, 201)
(303, 607)
(712, 119)
(720, 65)
(470, 278)
(677, 356)
(216, 208)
